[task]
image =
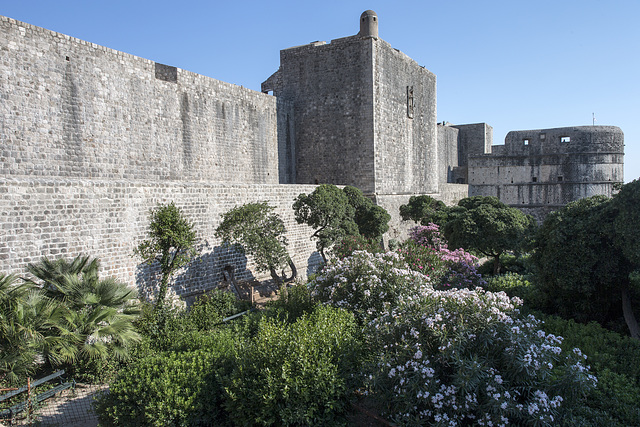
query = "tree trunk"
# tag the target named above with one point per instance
(279, 279)
(294, 272)
(629, 317)
(274, 275)
(324, 258)
(496, 264)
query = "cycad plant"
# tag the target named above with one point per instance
(97, 323)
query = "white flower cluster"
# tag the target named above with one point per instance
(454, 356)
(502, 364)
(365, 283)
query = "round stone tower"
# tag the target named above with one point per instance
(368, 24)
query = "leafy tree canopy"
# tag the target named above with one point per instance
(329, 212)
(424, 210)
(336, 213)
(372, 220)
(255, 229)
(625, 211)
(170, 241)
(580, 269)
(488, 226)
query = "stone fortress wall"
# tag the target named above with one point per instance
(75, 109)
(364, 115)
(92, 138)
(541, 170)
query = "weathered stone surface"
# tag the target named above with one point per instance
(543, 169)
(108, 219)
(92, 138)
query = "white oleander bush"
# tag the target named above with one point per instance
(452, 357)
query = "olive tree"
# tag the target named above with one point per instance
(335, 213)
(580, 269)
(424, 210)
(255, 229)
(329, 212)
(170, 242)
(372, 220)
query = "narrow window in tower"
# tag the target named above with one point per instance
(526, 141)
(534, 179)
(560, 179)
(410, 102)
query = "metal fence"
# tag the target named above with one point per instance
(69, 408)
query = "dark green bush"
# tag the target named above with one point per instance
(160, 330)
(209, 310)
(615, 360)
(177, 324)
(510, 263)
(294, 302)
(605, 349)
(348, 244)
(517, 285)
(173, 388)
(295, 374)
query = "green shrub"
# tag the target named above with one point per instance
(209, 310)
(349, 244)
(605, 349)
(294, 302)
(160, 330)
(172, 388)
(615, 360)
(509, 263)
(295, 374)
(517, 285)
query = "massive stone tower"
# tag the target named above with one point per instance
(364, 114)
(542, 170)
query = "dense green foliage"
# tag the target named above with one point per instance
(170, 242)
(335, 213)
(348, 244)
(327, 210)
(288, 366)
(425, 210)
(100, 312)
(65, 316)
(489, 227)
(171, 388)
(28, 326)
(624, 210)
(580, 270)
(255, 229)
(295, 374)
(372, 220)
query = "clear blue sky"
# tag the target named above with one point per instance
(513, 64)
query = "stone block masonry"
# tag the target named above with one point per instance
(91, 139)
(108, 219)
(74, 109)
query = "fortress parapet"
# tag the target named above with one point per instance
(544, 169)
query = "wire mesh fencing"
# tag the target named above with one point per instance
(68, 408)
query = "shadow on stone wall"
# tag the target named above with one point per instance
(314, 263)
(204, 273)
